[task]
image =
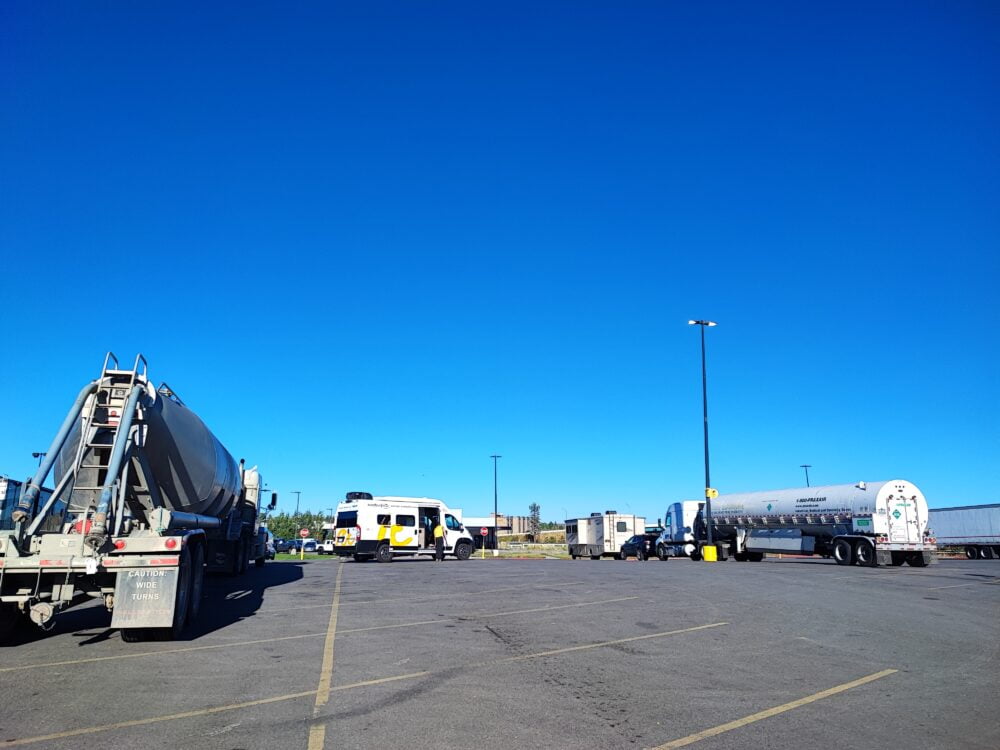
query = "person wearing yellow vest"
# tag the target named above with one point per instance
(438, 541)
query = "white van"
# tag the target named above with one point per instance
(380, 528)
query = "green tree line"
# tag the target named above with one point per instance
(287, 525)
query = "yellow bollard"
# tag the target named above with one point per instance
(709, 553)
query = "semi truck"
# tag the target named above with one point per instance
(601, 534)
(974, 529)
(145, 500)
(867, 524)
(10, 493)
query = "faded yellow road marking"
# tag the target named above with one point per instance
(317, 732)
(729, 726)
(586, 646)
(154, 719)
(338, 688)
(237, 644)
(229, 644)
(482, 617)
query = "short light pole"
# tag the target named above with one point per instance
(806, 467)
(496, 516)
(297, 496)
(39, 456)
(703, 324)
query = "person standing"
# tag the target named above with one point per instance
(438, 541)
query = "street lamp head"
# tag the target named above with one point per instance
(709, 323)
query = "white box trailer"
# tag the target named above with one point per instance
(601, 534)
(975, 529)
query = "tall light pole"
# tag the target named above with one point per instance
(703, 324)
(297, 496)
(806, 467)
(496, 516)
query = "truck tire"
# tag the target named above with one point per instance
(843, 552)
(661, 552)
(197, 580)
(755, 556)
(695, 555)
(916, 560)
(574, 556)
(463, 550)
(384, 553)
(985, 553)
(971, 552)
(864, 553)
(595, 557)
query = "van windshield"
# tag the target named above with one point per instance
(347, 520)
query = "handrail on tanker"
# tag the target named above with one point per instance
(166, 390)
(107, 357)
(135, 368)
(30, 495)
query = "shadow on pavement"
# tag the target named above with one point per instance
(225, 601)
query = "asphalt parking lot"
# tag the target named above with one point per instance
(533, 653)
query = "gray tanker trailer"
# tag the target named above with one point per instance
(868, 524)
(145, 500)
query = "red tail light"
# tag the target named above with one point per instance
(171, 543)
(119, 544)
(357, 534)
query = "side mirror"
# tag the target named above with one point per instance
(274, 501)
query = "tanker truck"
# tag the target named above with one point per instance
(145, 500)
(868, 524)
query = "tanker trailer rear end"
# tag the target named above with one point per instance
(868, 523)
(145, 496)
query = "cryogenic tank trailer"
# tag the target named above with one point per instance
(145, 499)
(868, 524)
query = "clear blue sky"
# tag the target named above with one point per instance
(371, 244)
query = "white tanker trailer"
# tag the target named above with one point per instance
(145, 499)
(868, 523)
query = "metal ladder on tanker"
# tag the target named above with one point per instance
(117, 391)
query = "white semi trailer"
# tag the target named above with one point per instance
(145, 500)
(975, 529)
(601, 534)
(868, 524)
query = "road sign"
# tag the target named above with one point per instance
(303, 533)
(484, 531)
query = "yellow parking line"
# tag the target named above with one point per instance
(229, 644)
(472, 592)
(338, 688)
(153, 720)
(481, 617)
(317, 732)
(729, 726)
(553, 652)
(237, 644)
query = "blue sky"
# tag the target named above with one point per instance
(372, 244)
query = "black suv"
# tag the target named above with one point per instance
(639, 546)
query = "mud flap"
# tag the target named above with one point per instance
(883, 557)
(145, 598)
